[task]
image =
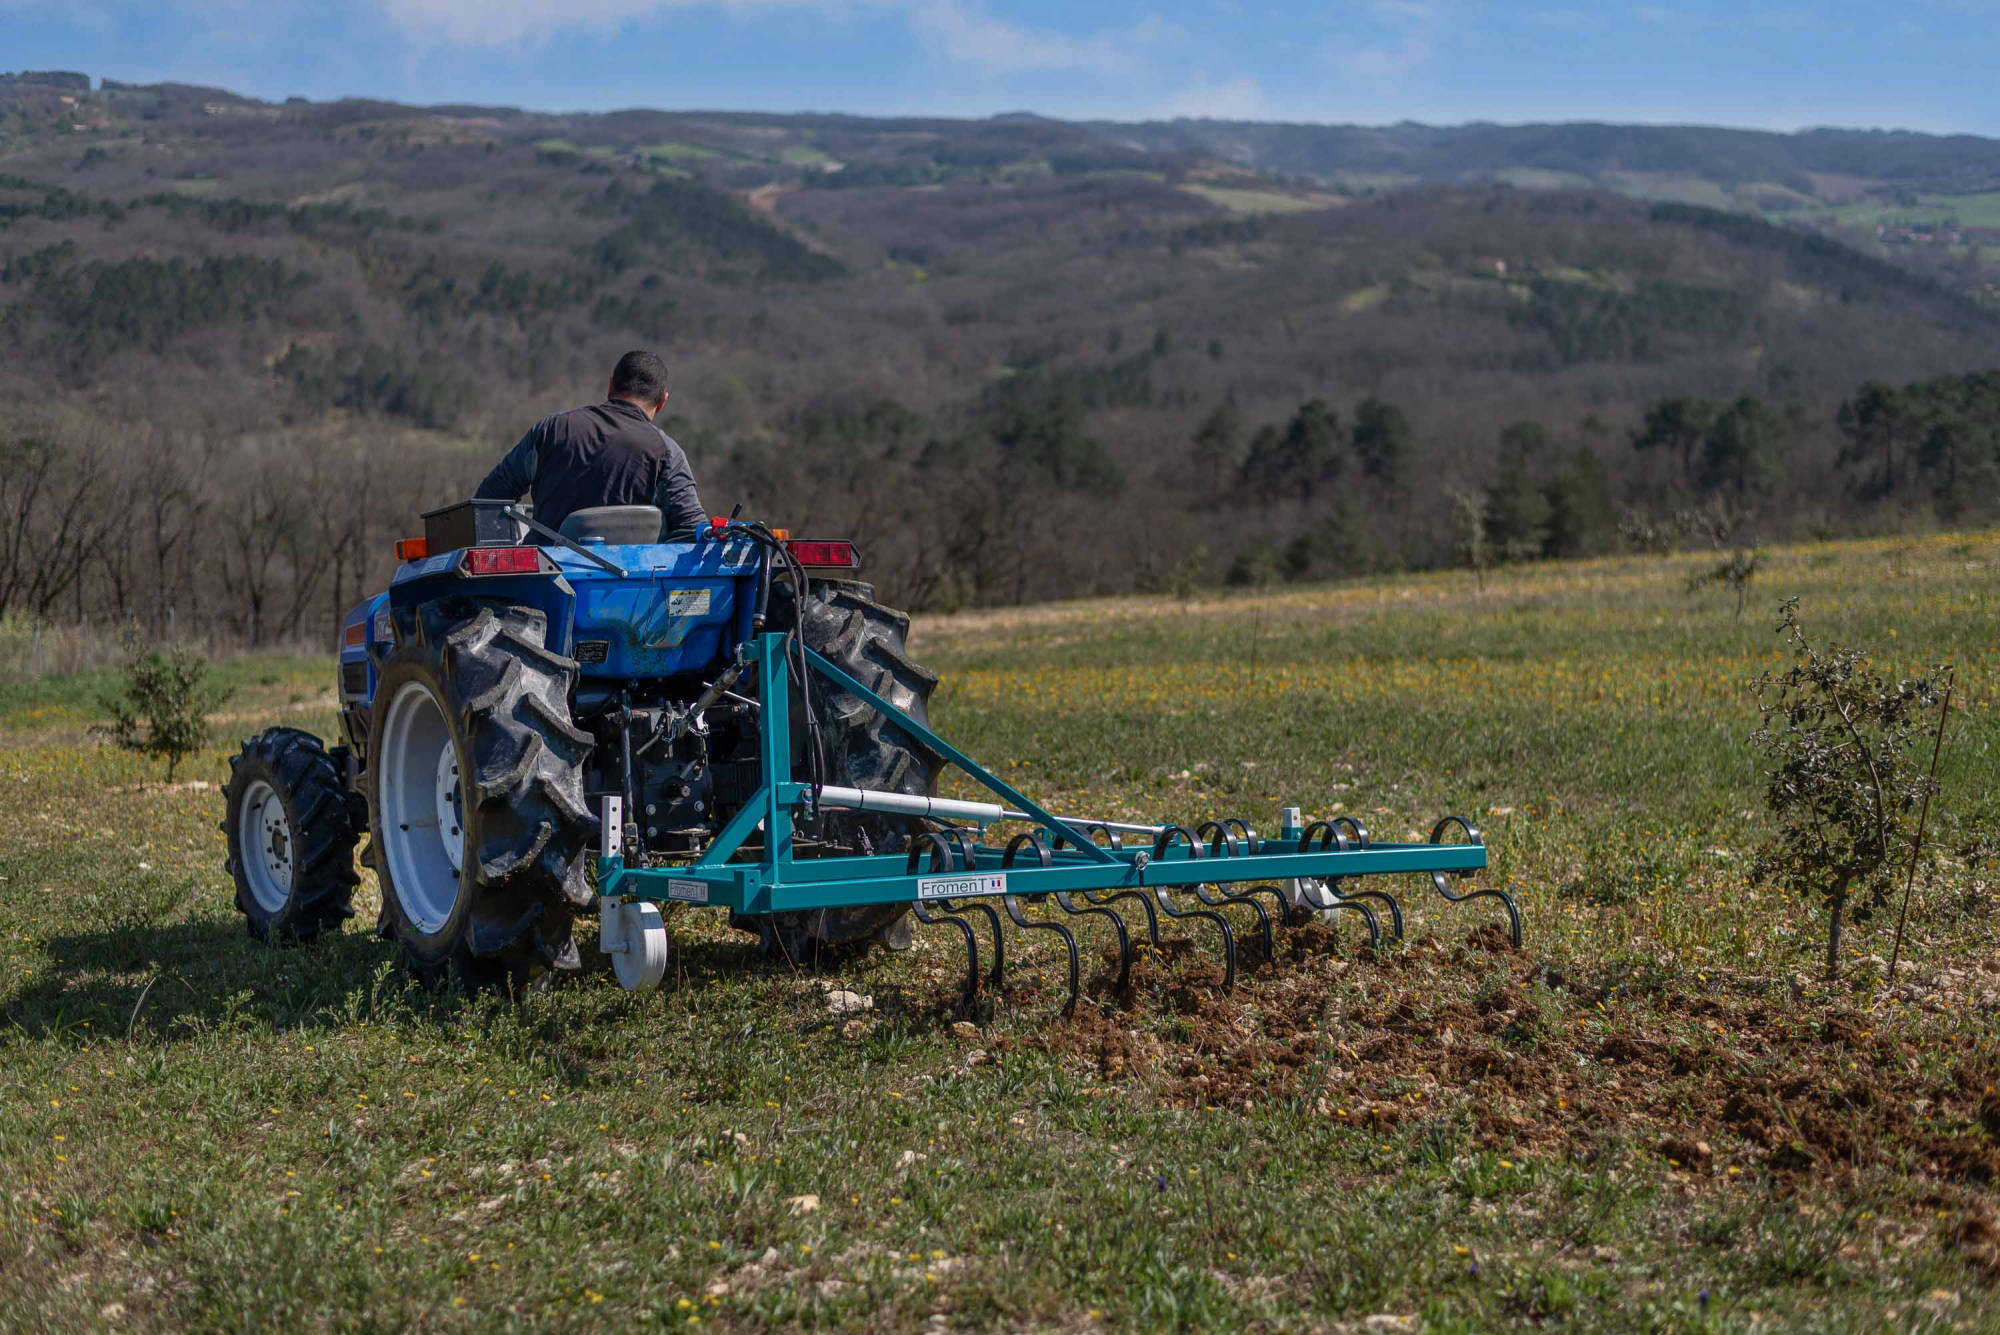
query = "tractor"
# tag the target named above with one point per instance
(539, 722)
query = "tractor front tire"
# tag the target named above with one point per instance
(291, 837)
(481, 829)
(842, 620)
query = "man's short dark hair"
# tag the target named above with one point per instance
(639, 375)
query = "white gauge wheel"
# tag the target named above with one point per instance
(639, 950)
(264, 834)
(1309, 892)
(421, 807)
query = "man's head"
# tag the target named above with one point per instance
(640, 378)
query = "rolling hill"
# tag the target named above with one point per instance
(986, 347)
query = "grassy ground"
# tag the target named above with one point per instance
(1652, 1118)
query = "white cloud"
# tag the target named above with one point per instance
(1229, 100)
(1402, 39)
(508, 22)
(963, 31)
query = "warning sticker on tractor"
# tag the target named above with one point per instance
(688, 602)
(961, 887)
(690, 892)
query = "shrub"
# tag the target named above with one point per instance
(164, 710)
(1842, 781)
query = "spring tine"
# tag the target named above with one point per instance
(1360, 830)
(1278, 900)
(1395, 909)
(1117, 924)
(971, 949)
(1326, 832)
(1244, 828)
(1033, 839)
(1173, 834)
(1374, 927)
(1145, 902)
(985, 910)
(963, 841)
(1222, 924)
(1222, 841)
(941, 858)
(1021, 919)
(1099, 900)
(958, 847)
(1201, 892)
(1491, 892)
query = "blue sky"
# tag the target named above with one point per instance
(1916, 64)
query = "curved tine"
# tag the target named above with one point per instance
(1360, 830)
(1222, 925)
(1395, 909)
(1145, 902)
(984, 910)
(940, 850)
(1374, 927)
(1491, 892)
(1116, 843)
(1173, 834)
(964, 840)
(1219, 837)
(1472, 834)
(1117, 924)
(1022, 920)
(1230, 897)
(1033, 838)
(963, 849)
(1278, 901)
(1327, 833)
(924, 915)
(1244, 828)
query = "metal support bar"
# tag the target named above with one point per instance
(993, 782)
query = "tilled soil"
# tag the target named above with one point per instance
(1711, 1076)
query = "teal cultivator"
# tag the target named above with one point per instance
(732, 722)
(1082, 865)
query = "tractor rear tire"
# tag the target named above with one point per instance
(481, 829)
(863, 749)
(291, 837)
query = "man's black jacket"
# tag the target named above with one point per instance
(605, 454)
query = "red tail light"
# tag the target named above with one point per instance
(503, 560)
(823, 553)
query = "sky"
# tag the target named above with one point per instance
(1787, 64)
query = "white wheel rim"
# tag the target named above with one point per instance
(420, 798)
(640, 961)
(264, 845)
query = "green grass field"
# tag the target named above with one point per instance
(1654, 1117)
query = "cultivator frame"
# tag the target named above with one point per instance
(1082, 865)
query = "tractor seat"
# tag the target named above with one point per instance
(616, 525)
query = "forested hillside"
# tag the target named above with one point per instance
(247, 343)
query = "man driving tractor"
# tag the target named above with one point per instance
(606, 453)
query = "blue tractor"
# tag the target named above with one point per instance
(539, 723)
(512, 678)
